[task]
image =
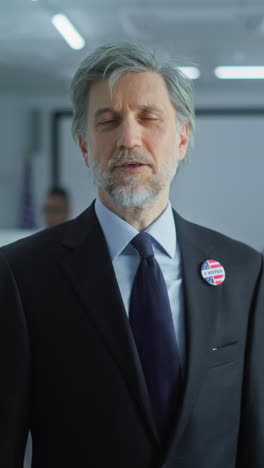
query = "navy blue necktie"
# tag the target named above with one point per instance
(152, 325)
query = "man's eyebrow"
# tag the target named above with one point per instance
(144, 108)
(103, 110)
(151, 108)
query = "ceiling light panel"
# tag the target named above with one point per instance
(68, 31)
(239, 73)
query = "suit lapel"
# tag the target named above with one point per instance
(200, 301)
(88, 266)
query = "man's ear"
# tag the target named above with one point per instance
(84, 149)
(183, 140)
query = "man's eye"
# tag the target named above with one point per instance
(105, 122)
(149, 118)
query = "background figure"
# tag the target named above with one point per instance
(56, 207)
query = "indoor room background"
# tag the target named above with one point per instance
(220, 187)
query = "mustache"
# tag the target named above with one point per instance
(129, 155)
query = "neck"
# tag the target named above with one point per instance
(140, 217)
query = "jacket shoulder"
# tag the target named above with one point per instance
(48, 244)
(211, 240)
(33, 242)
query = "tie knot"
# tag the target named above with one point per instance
(142, 243)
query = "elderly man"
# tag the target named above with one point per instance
(130, 337)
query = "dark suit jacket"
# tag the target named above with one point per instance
(70, 370)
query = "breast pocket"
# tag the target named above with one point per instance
(224, 354)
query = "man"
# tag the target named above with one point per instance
(111, 355)
(56, 206)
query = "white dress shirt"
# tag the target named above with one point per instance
(118, 234)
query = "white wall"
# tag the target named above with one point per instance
(222, 186)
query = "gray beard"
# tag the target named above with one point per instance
(128, 193)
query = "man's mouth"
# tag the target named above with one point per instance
(131, 164)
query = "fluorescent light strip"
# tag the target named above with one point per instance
(239, 73)
(68, 31)
(191, 72)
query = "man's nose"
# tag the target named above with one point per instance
(129, 134)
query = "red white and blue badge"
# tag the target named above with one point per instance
(213, 272)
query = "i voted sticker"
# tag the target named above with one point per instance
(213, 272)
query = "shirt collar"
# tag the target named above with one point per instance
(118, 233)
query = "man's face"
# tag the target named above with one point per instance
(133, 141)
(55, 210)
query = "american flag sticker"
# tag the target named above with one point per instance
(213, 272)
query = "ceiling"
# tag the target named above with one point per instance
(35, 59)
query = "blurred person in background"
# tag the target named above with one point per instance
(130, 337)
(56, 206)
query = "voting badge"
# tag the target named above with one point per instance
(213, 272)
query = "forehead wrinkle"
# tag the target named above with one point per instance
(144, 107)
(145, 97)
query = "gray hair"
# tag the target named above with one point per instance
(113, 60)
